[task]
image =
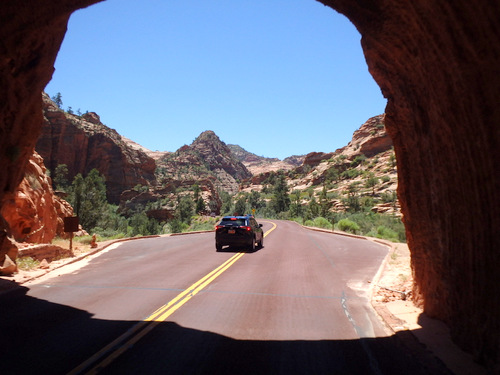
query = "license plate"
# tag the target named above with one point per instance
(231, 231)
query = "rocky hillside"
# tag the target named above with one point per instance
(207, 164)
(84, 143)
(365, 168)
(206, 158)
(259, 164)
(140, 179)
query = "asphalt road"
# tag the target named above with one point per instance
(173, 305)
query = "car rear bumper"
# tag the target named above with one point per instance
(233, 240)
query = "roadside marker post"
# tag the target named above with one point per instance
(71, 224)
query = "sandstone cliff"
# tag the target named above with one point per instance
(84, 143)
(259, 164)
(34, 213)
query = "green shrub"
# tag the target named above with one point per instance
(321, 222)
(175, 226)
(198, 224)
(347, 225)
(384, 233)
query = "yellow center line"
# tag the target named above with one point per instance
(129, 338)
(191, 292)
(194, 287)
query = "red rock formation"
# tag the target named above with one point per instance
(92, 145)
(206, 157)
(314, 158)
(437, 63)
(34, 213)
(371, 137)
(217, 155)
(30, 36)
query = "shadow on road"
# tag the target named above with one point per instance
(41, 337)
(239, 249)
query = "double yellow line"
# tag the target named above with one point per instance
(113, 350)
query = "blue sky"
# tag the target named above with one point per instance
(277, 77)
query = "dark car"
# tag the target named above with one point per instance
(241, 231)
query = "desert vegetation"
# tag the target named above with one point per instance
(309, 207)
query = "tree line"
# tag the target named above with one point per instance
(87, 195)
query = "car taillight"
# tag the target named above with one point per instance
(219, 227)
(248, 229)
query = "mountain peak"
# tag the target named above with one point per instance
(208, 135)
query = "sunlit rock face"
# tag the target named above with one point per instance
(92, 145)
(34, 213)
(437, 63)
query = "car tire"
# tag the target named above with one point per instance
(253, 245)
(261, 242)
(218, 247)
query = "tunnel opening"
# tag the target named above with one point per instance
(438, 66)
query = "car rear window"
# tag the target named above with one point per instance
(236, 223)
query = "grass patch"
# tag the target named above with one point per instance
(27, 263)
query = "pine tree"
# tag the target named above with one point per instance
(61, 177)
(280, 200)
(324, 203)
(88, 198)
(240, 206)
(200, 205)
(57, 99)
(296, 206)
(185, 210)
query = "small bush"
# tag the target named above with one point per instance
(321, 222)
(387, 233)
(347, 225)
(175, 226)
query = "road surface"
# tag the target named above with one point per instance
(173, 305)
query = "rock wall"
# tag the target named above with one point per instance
(31, 33)
(84, 143)
(34, 213)
(437, 63)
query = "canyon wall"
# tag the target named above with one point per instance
(437, 63)
(34, 213)
(84, 143)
